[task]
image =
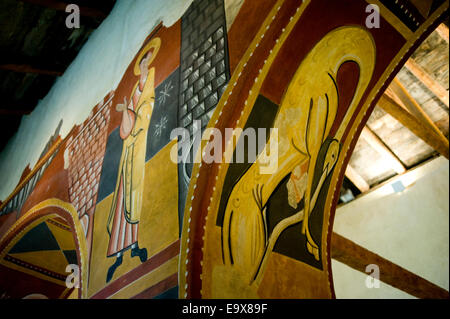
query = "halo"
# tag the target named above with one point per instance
(153, 44)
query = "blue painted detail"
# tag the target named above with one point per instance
(37, 239)
(71, 256)
(169, 294)
(108, 177)
(164, 115)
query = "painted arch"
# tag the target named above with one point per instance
(314, 71)
(58, 215)
(311, 69)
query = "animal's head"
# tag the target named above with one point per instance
(331, 156)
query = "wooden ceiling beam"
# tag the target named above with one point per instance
(356, 179)
(377, 144)
(428, 81)
(411, 104)
(61, 6)
(442, 30)
(26, 68)
(414, 125)
(8, 112)
(358, 258)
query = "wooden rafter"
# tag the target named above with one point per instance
(14, 112)
(357, 257)
(61, 6)
(428, 81)
(376, 143)
(414, 125)
(442, 30)
(26, 68)
(411, 104)
(356, 179)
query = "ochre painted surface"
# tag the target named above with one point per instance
(303, 133)
(303, 281)
(115, 209)
(53, 253)
(40, 257)
(148, 280)
(158, 225)
(49, 211)
(357, 67)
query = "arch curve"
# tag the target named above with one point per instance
(41, 212)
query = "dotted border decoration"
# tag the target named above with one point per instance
(249, 53)
(375, 91)
(26, 221)
(409, 14)
(373, 94)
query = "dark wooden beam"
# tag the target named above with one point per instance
(414, 125)
(61, 6)
(26, 68)
(357, 257)
(14, 112)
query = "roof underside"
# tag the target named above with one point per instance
(433, 57)
(35, 48)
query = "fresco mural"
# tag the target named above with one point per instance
(249, 234)
(109, 199)
(37, 250)
(123, 220)
(307, 152)
(132, 213)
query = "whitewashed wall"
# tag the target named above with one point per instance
(96, 71)
(410, 229)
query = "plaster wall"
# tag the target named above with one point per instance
(410, 228)
(96, 71)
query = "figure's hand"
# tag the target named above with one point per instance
(122, 106)
(128, 117)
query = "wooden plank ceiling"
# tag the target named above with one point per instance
(36, 48)
(410, 124)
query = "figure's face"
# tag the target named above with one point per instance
(146, 60)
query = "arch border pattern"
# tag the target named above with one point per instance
(36, 214)
(198, 200)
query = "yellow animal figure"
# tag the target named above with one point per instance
(307, 113)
